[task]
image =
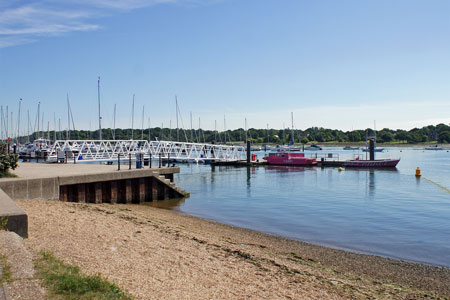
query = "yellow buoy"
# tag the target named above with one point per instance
(340, 169)
(418, 172)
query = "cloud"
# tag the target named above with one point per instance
(27, 23)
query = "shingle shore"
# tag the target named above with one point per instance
(160, 254)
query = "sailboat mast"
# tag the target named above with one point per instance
(99, 114)
(192, 137)
(215, 131)
(142, 133)
(246, 134)
(132, 118)
(28, 123)
(54, 123)
(149, 136)
(178, 129)
(68, 119)
(292, 129)
(1, 123)
(42, 127)
(18, 122)
(39, 115)
(114, 125)
(225, 129)
(170, 130)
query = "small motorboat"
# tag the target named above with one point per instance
(290, 159)
(376, 150)
(313, 147)
(351, 148)
(434, 147)
(380, 163)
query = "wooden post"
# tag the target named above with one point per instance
(166, 192)
(63, 193)
(98, 192)
(114, 192)
(154, 189)
(118, 162)
(142, 191)
(128, 191)
(249, 152)
(81, 192)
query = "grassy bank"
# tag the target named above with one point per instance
(67, 282)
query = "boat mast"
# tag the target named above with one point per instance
(149, 135)
(54, 123)
(215, 131)
(132, 118)
(12, 125)
(1, 123)
(192, 136)
(28, 125)
(38, 120)
(142, 133)
(68, 119)
(176, 112)
(18, 122)
(225, 129)
(292, 129)
(99, 114)
(170, 130)
(114, 125)
(42, 124)
(246, 131)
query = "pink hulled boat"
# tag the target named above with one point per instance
(290, 159)
(381, 163)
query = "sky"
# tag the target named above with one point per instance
(334, 64)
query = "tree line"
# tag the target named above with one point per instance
(439, 134)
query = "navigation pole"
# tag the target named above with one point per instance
(99, 115)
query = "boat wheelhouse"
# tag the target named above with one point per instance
(290, 159)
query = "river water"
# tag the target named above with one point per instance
(384, 212)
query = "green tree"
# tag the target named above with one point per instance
(7, 160)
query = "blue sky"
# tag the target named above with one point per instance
(336, 64)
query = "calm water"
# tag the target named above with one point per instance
(388, 213)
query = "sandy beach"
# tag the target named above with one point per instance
(160, 254)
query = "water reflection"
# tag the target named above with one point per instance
(285, 169)
(167, 204)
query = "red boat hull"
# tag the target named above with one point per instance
(290, 159)
(385, 163)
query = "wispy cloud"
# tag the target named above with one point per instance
(25, 23)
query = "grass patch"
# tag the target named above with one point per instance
(3, 222)
(68, 283)
(6, 270)
(7, 174)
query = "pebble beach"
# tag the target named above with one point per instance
(159, 254)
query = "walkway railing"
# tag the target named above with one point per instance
(103, 150)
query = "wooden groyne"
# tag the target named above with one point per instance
(129, 187)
